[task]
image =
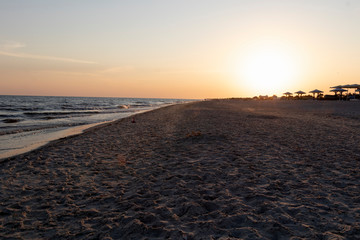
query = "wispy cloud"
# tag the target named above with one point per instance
(40, 57)
(188, 71)
(9, 45)
(120, 69)
(8, 49)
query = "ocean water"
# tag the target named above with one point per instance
(27, 122)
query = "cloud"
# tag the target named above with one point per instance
(9, 45)
(7, 49)
(188, 71)
(120, 69)
(40, 57)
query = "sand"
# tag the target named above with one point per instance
(221, 169)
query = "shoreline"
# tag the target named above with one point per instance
(47, 138)
(34, 141)
(201, 170)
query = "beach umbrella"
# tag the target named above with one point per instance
(300, 93)
(354, 86)
(349, 86)
(341, 90)
(287, 94)
(316, 91)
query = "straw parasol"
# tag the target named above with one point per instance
(316, 91)
(340, 90)
(299, 93)
(351, 86)
(347, 86)
(355, 86)
(287, 94)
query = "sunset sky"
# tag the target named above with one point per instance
(177, 49)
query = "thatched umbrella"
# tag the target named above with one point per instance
(287, 94)
(316, 91)
(340, 90)
(299, 93)
(350, 86)
(356, 86)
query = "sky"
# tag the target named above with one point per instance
(177, 49)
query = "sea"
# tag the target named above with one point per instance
(28, 122)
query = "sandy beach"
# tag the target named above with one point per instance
(220, 169)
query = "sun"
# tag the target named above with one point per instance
(267, 70)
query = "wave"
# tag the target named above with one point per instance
(29, 129)
(9, 116)
(61, 113)
(19, 109)
(11, 120)
(82, 107)
(23, 113)
(124, 106)
(141, 105)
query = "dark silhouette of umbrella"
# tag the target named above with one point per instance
(340, 90)
(350, 86)
(287, 94)
(316, 91)
(355, 86)
(299, 93)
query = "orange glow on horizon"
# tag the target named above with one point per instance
(178, 49)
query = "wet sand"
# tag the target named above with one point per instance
(221, 169)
